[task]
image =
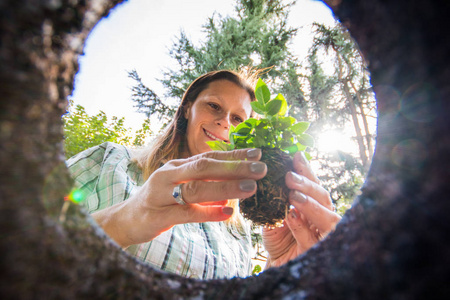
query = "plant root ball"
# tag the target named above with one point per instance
(270, 204)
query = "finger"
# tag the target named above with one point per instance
(316, 214)
(222, 203)
(300, 230)
(252, 154)
(202, 191)
(277, 240)
(199, 214)
(302, 167)
(301, 183)
(215, 170)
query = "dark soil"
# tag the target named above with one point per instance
(268, 207)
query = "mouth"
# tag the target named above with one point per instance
(213, 137)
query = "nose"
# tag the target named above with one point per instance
(224, 121)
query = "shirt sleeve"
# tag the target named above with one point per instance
(101, 175)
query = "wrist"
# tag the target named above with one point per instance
(110, 219)
(121, 223)
(268, 264)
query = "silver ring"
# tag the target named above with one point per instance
(177, 195)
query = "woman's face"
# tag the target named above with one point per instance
(221, 104)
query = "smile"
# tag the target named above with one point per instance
(213, 137)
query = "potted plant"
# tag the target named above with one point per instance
(279, 137)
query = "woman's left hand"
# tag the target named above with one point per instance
(311, 218)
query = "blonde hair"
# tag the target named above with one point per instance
(172, 142)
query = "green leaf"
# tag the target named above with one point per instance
(243, 129)
(258, 107)
(273, 107)
(219, 146)
(241, 144)
(287, 135)
(283, 108)
(262, 92)
(284, 122)
(285, 144)
(263, 133)
(306, 139)
(308, 156)
(261, 124)
(258, 142)
(299, 127)
(292, 149)
(257, 269)
(300, 147)
(237, 135)
(232, 129)
(251, 122)
(231, 138)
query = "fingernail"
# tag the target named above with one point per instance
(294, 213)
(297, 178)
(247, 185)
(257, 167)
(302, 157)
(298, 197)
(255, 152)
(227, 210)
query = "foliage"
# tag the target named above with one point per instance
(82, 131)
(273, 130)
(256, 37)
(352, 97)
(148, 102)
(341, 174)
(335, 100)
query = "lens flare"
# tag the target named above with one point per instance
(409, 154)
(420, 103)
(76, 196)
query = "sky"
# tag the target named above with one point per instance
(137, 35)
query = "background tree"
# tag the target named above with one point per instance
(148, 102)
(353, 96)
(338, 99)
(257, 37)
(82, 131)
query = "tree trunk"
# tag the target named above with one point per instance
(364, 119)
(359, 136)
(353, 113)
(393, 244)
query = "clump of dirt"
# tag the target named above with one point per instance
(270, 204)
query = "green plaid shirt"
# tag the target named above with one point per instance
(106, 175)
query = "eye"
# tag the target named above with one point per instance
(238, 119)
(214, 105)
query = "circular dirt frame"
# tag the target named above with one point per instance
(392, 244)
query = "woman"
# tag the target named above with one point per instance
(176, 215)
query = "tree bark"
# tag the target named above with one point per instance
(393, 244)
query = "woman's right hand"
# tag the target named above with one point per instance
(208, 180)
